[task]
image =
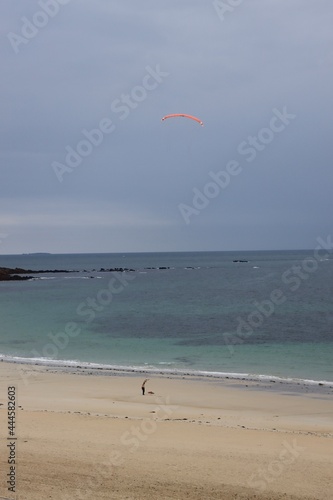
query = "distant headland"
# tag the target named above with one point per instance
(37, 253)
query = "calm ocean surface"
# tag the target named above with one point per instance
(271, 316)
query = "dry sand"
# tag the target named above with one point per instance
(89, 437)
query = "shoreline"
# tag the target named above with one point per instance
(261, 382)
(81, 436)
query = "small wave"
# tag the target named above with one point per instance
(76, 277)
(154, 370)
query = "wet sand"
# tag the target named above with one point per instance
(82, 436)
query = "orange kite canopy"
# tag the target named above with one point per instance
(175, 115)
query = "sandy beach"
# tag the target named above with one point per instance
(83, 436)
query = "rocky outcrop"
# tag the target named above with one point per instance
(19, 274)
(115, 270)
(7, 274)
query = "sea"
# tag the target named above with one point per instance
(261, 315)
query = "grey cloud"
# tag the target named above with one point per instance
(231, 74)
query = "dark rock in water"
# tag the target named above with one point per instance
(5, 271)
(115, 270)
(162, 267)
(7, 274)
(19, 274)
(52, 271)
(16, 277)
(237, 260)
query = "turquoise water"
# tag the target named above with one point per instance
(270, 316)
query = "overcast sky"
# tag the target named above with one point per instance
(87, 165)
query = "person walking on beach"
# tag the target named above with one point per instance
(143, 386)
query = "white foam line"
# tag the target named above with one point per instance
(165, 371)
